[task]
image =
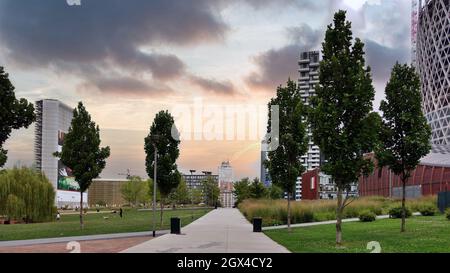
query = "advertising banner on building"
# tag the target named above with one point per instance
(68, 188)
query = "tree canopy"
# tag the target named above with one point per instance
(342, 122)
(14, 113)
(405, 134)
(160, 134)
(81, 151)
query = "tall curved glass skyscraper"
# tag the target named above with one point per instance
(433, 65)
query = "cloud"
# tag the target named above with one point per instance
(212, 85)
(382, 58)
(313, 5)
(102, 35)
(51, 30)
(124, 86)
(276, 65)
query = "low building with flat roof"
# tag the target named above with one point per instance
(431, 176)
(106, 191)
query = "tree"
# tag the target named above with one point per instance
(196, 196)
(242, 190)
(341, 120)
(14, 114)
(145, 197)
(257, 189)
(134, 190)
(166, 144)
(405, 134)
(81, 151)
(211, 191)
(275, 192)
(284, 163)
(150, 190)
(26, 194)
(181, 194)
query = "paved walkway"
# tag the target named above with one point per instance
(80, 238)
(219, 231)
(92, 246)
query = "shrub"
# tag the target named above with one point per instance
(396, 212)
(447, 213)
(367, 216)
(428, 210)
(26, 194)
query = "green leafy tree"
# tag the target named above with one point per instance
(81, 151)
(14, 113)
(257, 189)
(211, 191)
(164, 135)
(181, 194)
(275, 192)
(405, 134)
(150, 191)
(342, 123)
(242, 190)
(284, 163)
(134, 190)
(144, 196)
(26, 193)
(196, 196)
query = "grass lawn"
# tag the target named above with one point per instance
(94, 223)
(423, 234)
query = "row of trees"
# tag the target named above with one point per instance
(138, 192)
(245, 189)
(343, 123)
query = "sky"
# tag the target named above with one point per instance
(127, 60)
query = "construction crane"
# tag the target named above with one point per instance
(127, 175)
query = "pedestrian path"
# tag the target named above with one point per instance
(219, 231)
(80, 238)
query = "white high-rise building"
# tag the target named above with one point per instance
(53, 119)
(433, 65)
(226, 187)
(309, 77)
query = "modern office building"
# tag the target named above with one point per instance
(53, 120)
(194, 181)
(431, 176)
(226, 185)
(309, 77)
(432, 46)
(107, 192)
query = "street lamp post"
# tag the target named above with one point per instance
(154, 190)
(154, 139)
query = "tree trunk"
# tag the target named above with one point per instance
(161, 214)
(339, 210)
(403, 204)
(289, 212)
(81, 211)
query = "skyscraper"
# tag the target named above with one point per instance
(309, 77)
(53, 120)
(226, 184)
(433, 65)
